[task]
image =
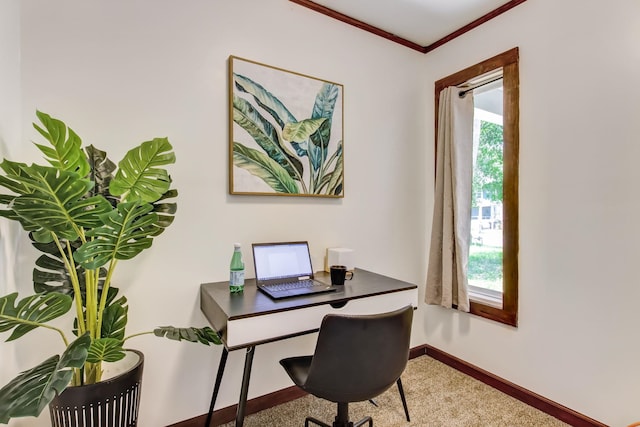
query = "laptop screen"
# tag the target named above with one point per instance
(281, 260)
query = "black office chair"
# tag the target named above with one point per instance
(356, 358)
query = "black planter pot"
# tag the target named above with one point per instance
(110, 403)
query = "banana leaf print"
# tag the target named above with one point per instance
(286, 132)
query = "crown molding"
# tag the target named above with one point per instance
(408, 43)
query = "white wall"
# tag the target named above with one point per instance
(120, 72)
(9, 143)
(577, 340)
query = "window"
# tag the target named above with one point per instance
(493, 256)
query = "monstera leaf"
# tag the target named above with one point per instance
(30, 312)
(66, 152)
(31, 391)
(204, 335)
(125, 234)
(140, 176)
(114, 318)
(101, 173)
(50, 273)
(166, 212)
(58, 203)
(10, 214)
(14, 178)
(15, 184)
(105, 350)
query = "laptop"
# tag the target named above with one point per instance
(283, 270)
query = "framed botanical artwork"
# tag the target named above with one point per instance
(285, 135)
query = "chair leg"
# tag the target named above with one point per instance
(315, 421)
(404, 400)
(341, 420)
(364, 420)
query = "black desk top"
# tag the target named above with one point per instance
(220, 306)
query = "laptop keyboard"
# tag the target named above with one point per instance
(291, 285)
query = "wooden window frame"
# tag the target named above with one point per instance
(508, 61)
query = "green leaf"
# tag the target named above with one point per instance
(101, 173)
(57, 203)
(105, 350)
(265, 136)
(42, 235)
(10, 214)
(14, 169)
(331, 183)
(300, 131)
(16, 185)
(166, 212)
(51, 275)
(31, 391)
(140, 177)
(322, 108)
(264, 99)
(50, 270)
(258, 164)
(66, 153)
(125, 233)
(114, 319)
(31, 312)
(336, 179)
(204, 335)
(114, 323)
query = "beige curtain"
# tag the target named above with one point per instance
(450, 232)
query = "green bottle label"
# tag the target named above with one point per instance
(236, 281)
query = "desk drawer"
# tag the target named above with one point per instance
(269, 327)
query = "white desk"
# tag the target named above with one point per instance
(252, 318)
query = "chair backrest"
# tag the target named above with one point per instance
(359, 357)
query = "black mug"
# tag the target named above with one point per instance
(339, 274)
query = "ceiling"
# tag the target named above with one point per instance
(422, 25)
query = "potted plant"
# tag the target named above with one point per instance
(85, 215)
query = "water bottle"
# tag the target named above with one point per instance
(236, 276)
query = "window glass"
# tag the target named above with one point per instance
(485, 254)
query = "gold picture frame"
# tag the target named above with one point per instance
(285, 132)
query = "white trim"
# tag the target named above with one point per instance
(485, 296)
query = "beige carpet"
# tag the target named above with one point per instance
(437, 395)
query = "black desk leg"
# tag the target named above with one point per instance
(216, 387)
(242, 403)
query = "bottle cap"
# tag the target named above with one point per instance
(237, 245)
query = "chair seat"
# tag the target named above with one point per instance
(356, 359)
(297, 368)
